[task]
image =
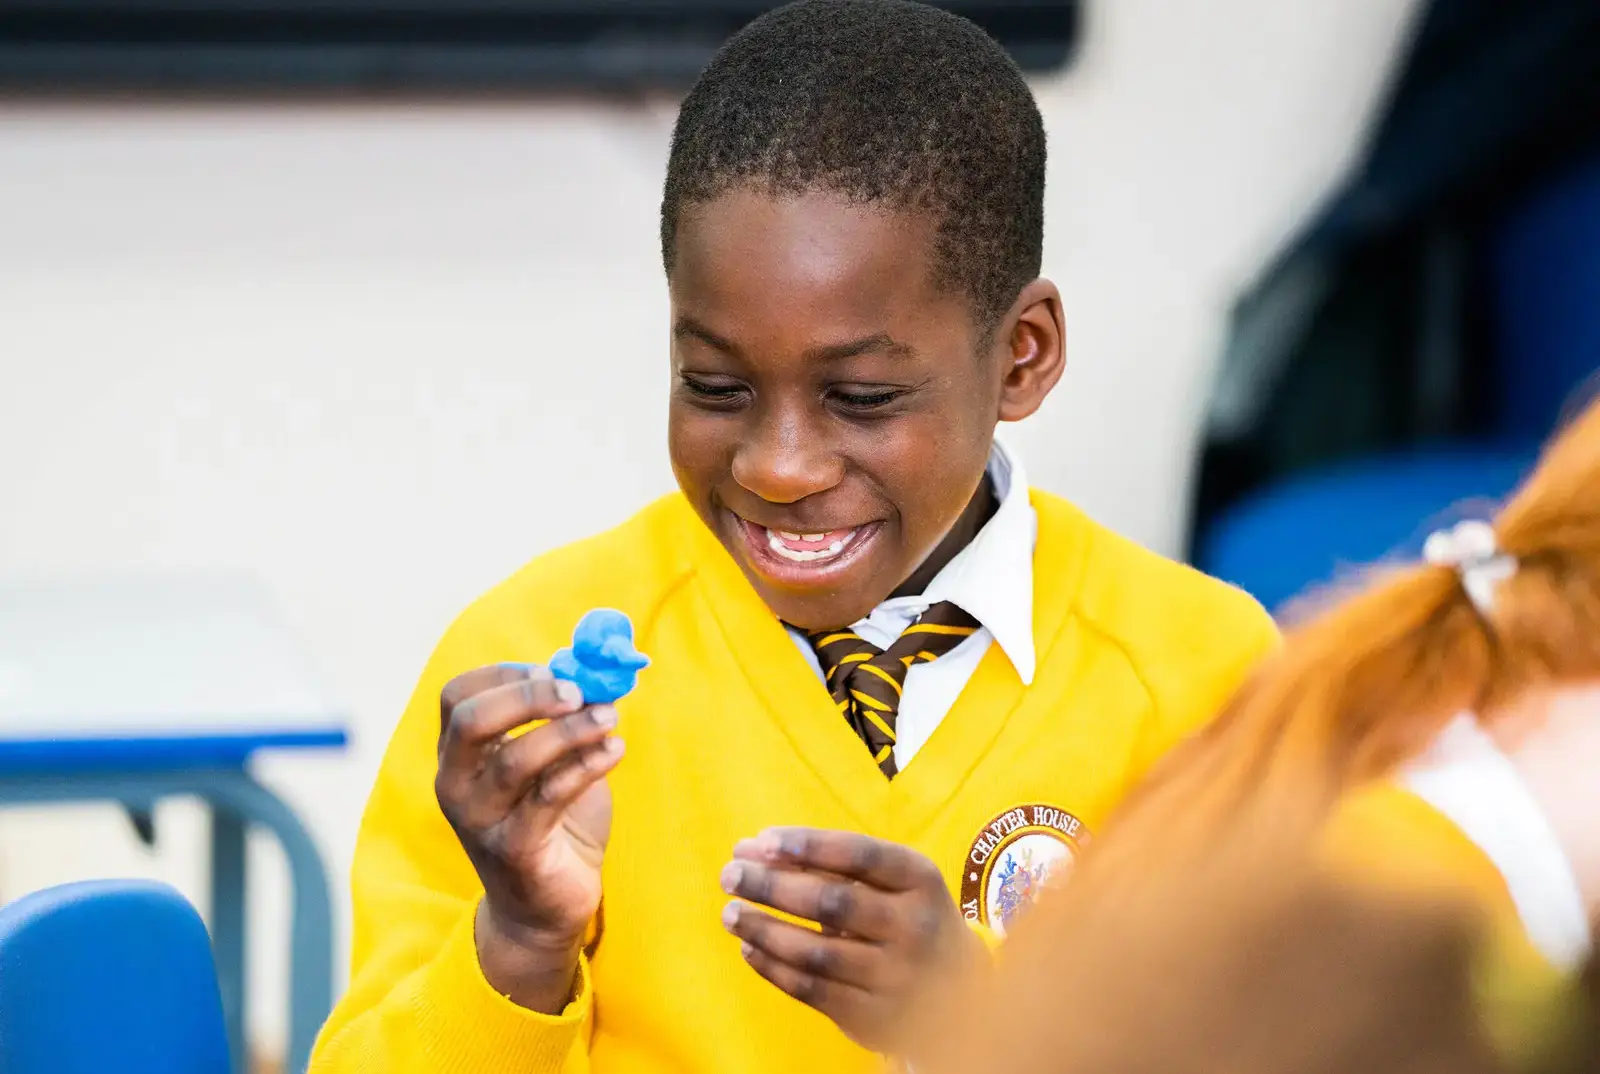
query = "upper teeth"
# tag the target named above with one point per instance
(775, 539)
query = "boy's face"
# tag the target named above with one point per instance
(831, 415)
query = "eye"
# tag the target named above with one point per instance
(864, 399)
(719, 391)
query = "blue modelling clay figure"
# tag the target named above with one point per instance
(602, 659)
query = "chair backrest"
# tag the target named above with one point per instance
(108, 977)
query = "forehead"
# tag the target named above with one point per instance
(813, 259)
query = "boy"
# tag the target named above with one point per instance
(900, 688)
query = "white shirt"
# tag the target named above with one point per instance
(1466, 777)
(992, 580)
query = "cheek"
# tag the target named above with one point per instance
(931, 471)
(696, 443)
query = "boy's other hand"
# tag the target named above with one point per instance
(533, 813)
(892, 943)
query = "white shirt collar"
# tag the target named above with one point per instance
(991, 578)
(1465, 776)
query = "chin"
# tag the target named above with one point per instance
(811, 612)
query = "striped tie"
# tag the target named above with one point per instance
(866, 681)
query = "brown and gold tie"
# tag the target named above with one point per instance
(866, 682)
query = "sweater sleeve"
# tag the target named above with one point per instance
(1394, 840)
(1387, 836)
(418, 1002)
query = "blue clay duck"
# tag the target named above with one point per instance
(602, 659)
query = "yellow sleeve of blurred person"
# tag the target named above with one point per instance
(1393, 838)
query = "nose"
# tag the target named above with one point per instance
(783, 460)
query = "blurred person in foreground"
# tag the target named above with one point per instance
(1384, 855)
(1247, 956)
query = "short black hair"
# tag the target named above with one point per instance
(881, 101)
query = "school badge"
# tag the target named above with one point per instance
(1011, 859)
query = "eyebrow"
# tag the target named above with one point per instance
(881, 341)
(689, 328)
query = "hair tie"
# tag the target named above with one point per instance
(1471, 549)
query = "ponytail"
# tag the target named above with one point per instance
(1369, 682)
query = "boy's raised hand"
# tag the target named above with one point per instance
(892, 942)
(533, 813)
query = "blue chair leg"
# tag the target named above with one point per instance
(228, 917)
(143, 819)
(311, 924)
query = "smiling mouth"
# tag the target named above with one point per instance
(804, 557)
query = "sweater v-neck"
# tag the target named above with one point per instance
(793, 697)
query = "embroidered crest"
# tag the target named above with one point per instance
(1012, 858)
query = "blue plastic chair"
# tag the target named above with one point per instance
(1300, 533)
(1310, 530)
(108, 977)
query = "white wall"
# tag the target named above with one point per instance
(356, 349)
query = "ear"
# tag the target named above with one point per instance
(1033, 352)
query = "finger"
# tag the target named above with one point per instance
(528, 763)
(563, 785)
(851, 962)
(876, 862)
(826, 929)
(841, 1002)
(549, 800)
(479, 721)
(839, 905)
(458, 765)
(477, 681)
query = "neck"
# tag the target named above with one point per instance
(1553, 739)
(973, 518)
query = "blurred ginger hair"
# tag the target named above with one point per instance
(1369, 684)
